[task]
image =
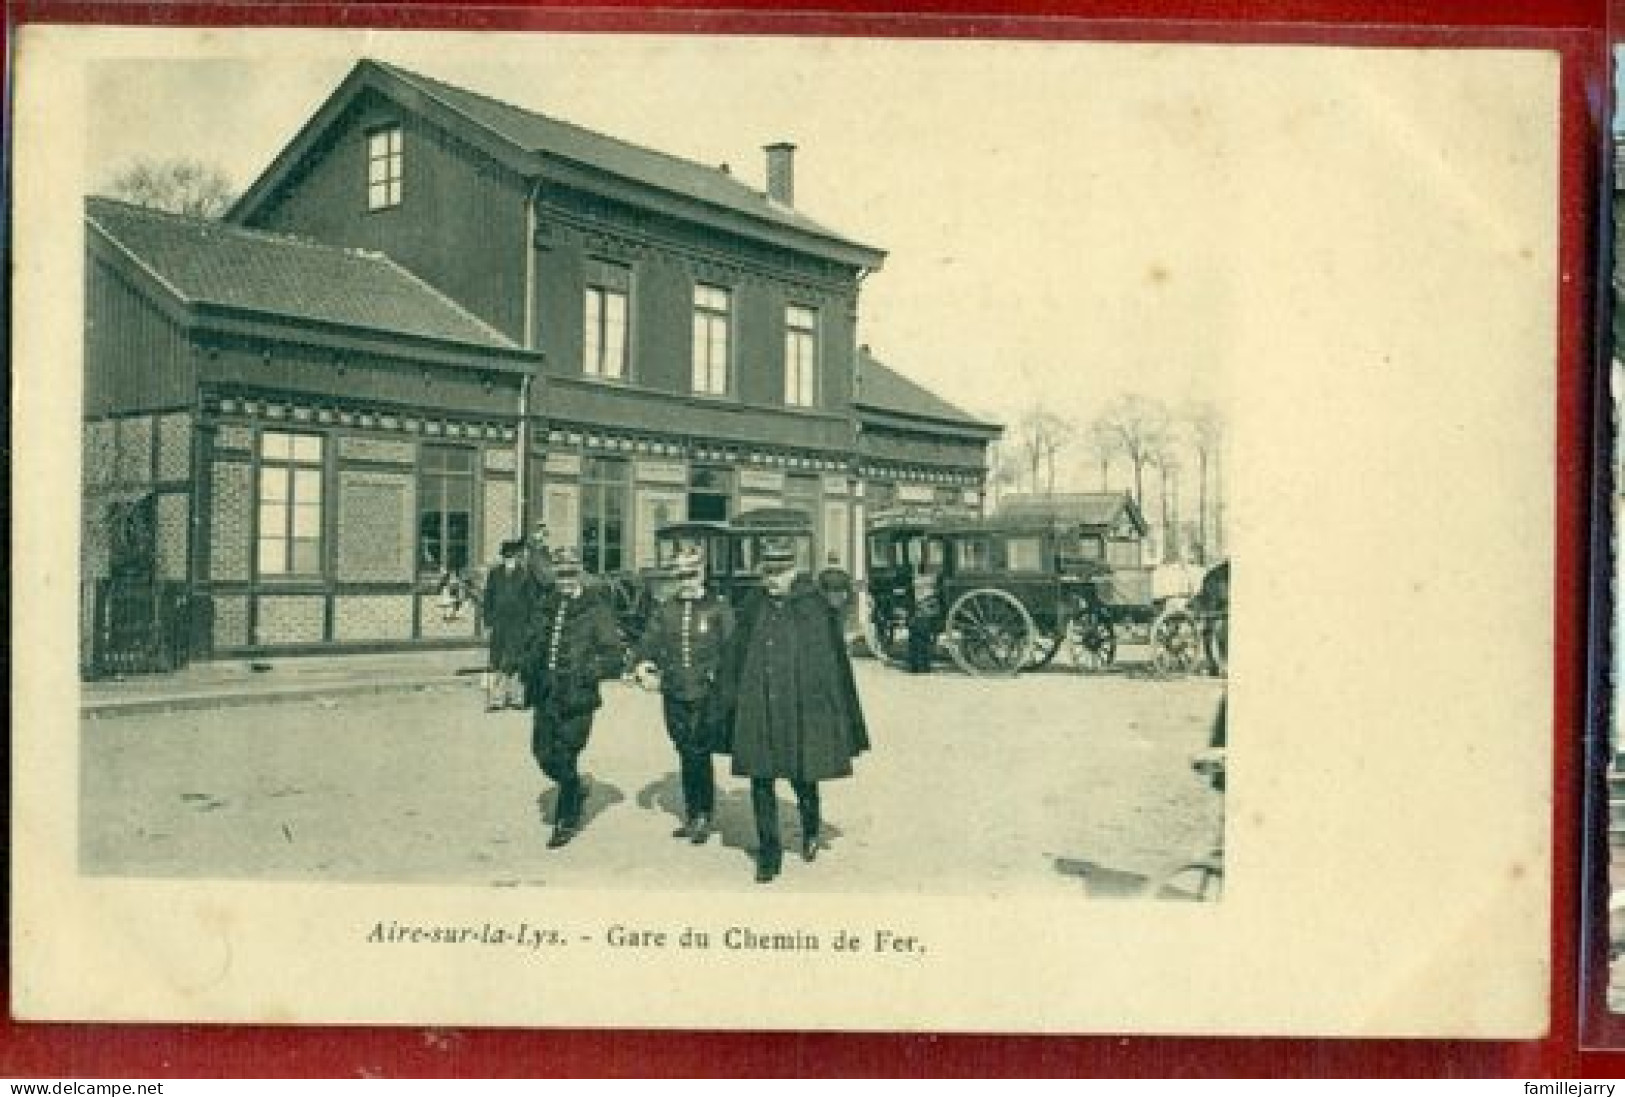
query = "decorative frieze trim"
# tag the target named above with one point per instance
(386, 420)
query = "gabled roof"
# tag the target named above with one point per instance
(219, 266)
(883, 389)
(537, 139)
(1102, 509)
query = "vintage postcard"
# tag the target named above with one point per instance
(736, 532)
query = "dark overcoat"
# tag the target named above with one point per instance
(572, 644)
(510, 596)
(785, 704)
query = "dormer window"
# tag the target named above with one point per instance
(384, 168)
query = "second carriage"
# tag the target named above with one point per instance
(1016, 591)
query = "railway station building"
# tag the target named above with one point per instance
(437, 318)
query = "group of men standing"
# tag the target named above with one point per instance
(767, 682)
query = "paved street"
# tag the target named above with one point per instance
(1051, 781)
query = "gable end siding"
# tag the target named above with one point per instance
(460, 225)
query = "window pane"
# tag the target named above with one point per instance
(395, 142)
(378, 143)
(393, 193)
(377, 170)
(460, 459)
(275, 445)
(378, 195)
(307, 447)
(459, 494)
(307, 557)
(591, 320)
(273, 520)
(271, 558)
(273, 483)
(615, 335)
(307, 521)
(798, 317)
(307, 486)
(701, 367)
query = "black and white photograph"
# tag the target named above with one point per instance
(699, 505)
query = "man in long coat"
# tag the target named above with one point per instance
(573, 644)
(785, 702)
(684, 641)
(510, 595)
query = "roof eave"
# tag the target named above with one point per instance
(237, 320)
(676, 203)
(917, 421)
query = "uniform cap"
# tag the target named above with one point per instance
(778, 554)
(566, 562)
(688, 563)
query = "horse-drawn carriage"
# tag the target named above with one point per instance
(1015, 592)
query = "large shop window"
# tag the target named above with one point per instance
(604, 320)
(445, 508)
(605, 492)
(384, 168)
(712, 313)
(289, 504)
(800, 356)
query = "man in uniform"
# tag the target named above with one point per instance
(683, 642)
(573, 645)
(510, 595)
(785, 703)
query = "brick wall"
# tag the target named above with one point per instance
(499, 518)
(289, 619)
(174, 446)
(234, 436)
(499, 460)
(376, 527)
(174, 515)
(231, 499)
(135, 450)
(433, 628)
(101, 451)
(230, 620)
(93, 538)
(372, 617)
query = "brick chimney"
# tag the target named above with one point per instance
(781, 172)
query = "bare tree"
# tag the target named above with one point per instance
(1040, 435)
(1206, 433)
(178, 185)
(1139, 426)
(1104, 446)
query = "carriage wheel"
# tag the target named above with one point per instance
(1216, 644)
(1094, 640)
(989, 633)
(1175, 644)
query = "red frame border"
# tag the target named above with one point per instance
(1576, 29)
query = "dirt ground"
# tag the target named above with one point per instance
(1051, 781)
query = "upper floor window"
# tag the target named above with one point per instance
(800, 356)
(384, 168)
(604, 320)
(712, 309)
(289, 504)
